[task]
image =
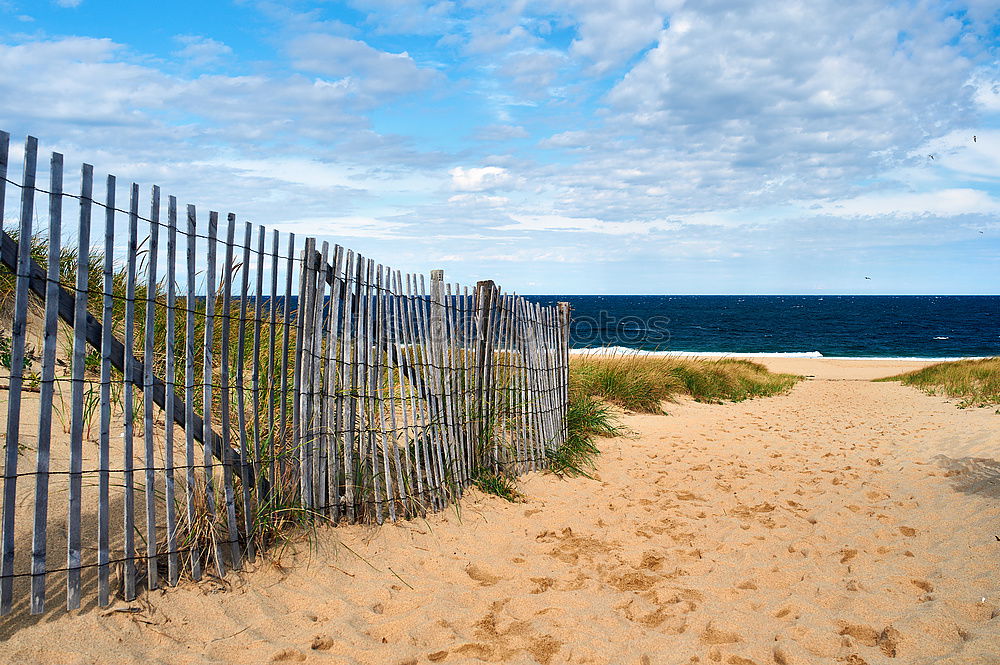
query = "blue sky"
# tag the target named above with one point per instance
(556, 146)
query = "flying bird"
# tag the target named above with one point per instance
(930, 156)
(867, 277)
(973, 138)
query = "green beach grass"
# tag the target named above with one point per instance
(972, 382)
(642, 383)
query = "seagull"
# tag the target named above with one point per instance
(930, 156)
(867, 277)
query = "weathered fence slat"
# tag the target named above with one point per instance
(255, 377)
(272, 384)
(51, 322)
(169, 379)
(229, 459)
(128, 400)
(104, 446)
(208, 378)
(73, 526)
(332, 404)
(303, 374)
(189, 386)
(16, 379)
(147, 388)
(240, 390)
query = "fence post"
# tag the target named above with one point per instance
(437, 339)
(564, 311)
(485, 291)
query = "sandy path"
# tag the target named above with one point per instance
(817, 527)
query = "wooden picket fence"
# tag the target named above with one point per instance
(233, 385)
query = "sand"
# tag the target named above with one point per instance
(847, 522)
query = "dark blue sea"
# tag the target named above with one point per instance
(839, 326)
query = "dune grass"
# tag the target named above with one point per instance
(641, 383)
(972, 382)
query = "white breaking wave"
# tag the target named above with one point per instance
(624, 350)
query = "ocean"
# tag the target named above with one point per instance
(828, 326)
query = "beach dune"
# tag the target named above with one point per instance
(846, 522)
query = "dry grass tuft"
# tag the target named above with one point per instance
(641, 383)
(973, 382)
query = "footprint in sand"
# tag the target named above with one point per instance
(715, 635)
(865, 635)
(481, 575)
(288, 656)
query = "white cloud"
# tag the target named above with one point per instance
(346, 227)
(480, 179)
(585, 224)
(372, 70)
(201, 51)
(942, 203)
(479, 199)
(501, 133)
(69, 3)
(612, 32)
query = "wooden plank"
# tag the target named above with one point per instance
(303, 372)
(51, 323)
(286, 328)
(169, 380)
(104, 446)
(189, 386)
(319, 416)
(272, 405)
(425, 474)
(207, 382)
(348, 373)
(360, 389)
(332, 402)
(451, 384)
(513, 426)
(147, 389)
(297, 442)
(230, 460)
(503, 455)
(255, 378)
(533, 433)
(73, 555)
(484, 305)
(565, 323)
(369, 410)
(468, 375)
(248, 520)
(379, 322)
(128, 400)
(16, 380)
(404, 474)
(435, 338)
(506, 457)
(408, 400)
(434, 410)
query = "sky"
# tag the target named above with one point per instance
(555, 146)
